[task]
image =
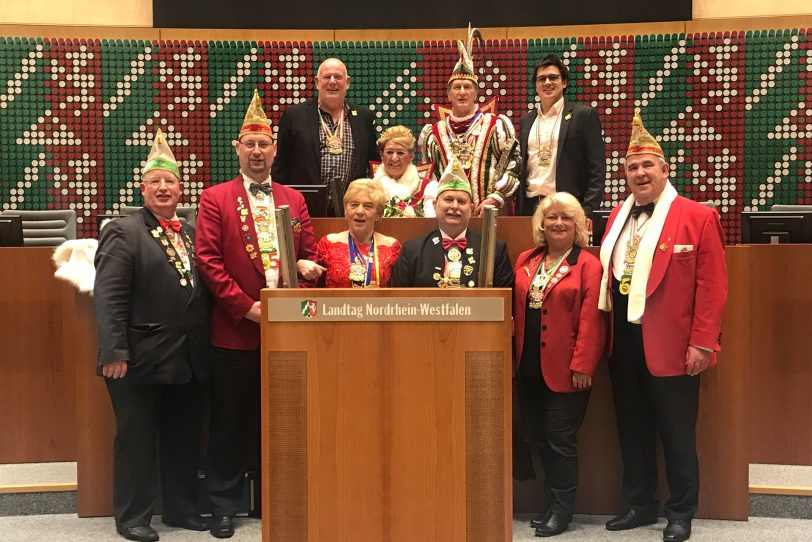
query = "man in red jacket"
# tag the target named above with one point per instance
(238, 255)
(665, 282)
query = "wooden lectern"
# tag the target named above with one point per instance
(386, 415)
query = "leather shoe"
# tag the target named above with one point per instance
(192, 522)
(140, 533)
(538, 521)
(557, 523)
(630, 519)
(677, 530)
(222, 527)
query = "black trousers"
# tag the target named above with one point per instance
(157, 428)
(234, 427)
(552, 420)
(646, 405)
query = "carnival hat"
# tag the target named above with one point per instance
(641, 141)
(454, 178)
(161, 157)
(464, 68)
(256, 122)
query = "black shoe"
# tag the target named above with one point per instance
(222, 527)
(630, 519)
(557, 523)
(192, 522)
(141, 533)
(677, 530)
(538, 521)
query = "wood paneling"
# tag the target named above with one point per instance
(206, 34)
(421, 34)
(80, 32)
(36, 368)
(780, 343)
(96, 423)
(388, 443)
(626, 29)
(749, 23)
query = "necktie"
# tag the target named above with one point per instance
(637, 210)
(170, 224)
(256, 188)
(459, 243)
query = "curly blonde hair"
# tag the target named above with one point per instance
(567, 204)
(371, 189)
(397, 134)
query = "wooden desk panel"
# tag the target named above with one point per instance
(780, 353)
(37, 391)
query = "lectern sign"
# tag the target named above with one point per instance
(384, 309)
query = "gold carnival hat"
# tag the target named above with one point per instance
(454, 178)
(641, 141)
(161, 157)
(464, 68)
(256, 122)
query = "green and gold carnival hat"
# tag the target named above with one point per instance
(161, 157)
(454, 178)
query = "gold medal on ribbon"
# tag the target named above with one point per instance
(334, 145)
(625, 285)
(463, 151)
(454, 254)
(357, 272)
(545, 156)
(534, 300)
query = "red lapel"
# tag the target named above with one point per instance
(665, 246)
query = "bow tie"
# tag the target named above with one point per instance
(170, 224)
(459, 243)
(256, 188)
(637, 210)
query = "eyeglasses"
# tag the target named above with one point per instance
(154, 183)
(550, 78)
(251, 145)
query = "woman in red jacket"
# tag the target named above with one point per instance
(560, 337)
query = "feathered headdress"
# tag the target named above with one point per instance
(464, 68)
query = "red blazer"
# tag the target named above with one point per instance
(573, 329)
(686, 290)
(224, 257)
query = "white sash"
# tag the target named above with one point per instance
(645, 254)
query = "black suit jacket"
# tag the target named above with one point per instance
(423, 256)
(580, 160)
(298, 157)
(143, 313)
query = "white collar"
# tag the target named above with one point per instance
(444, 235)
(248, 181)
(554, 111)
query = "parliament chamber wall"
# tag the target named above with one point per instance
(732, 109)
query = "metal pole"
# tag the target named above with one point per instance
(287, 258)
(487, 251)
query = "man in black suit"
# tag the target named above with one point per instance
(561, 144)
(449, 257)
(152, 323)
(325, 138)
